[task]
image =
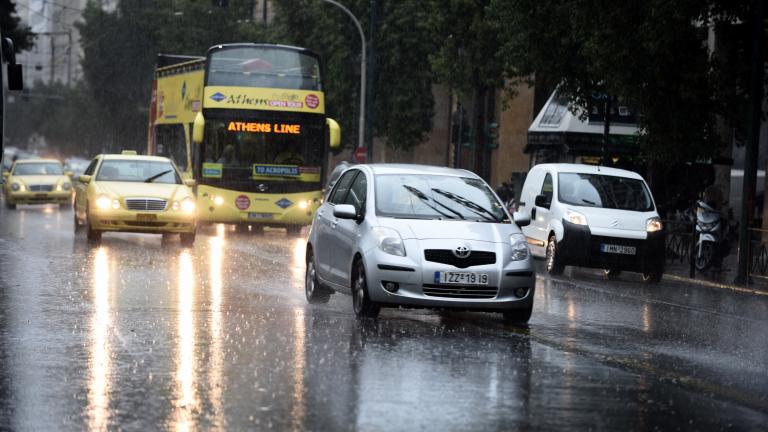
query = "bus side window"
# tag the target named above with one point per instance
(172, 143)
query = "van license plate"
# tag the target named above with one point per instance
(617, 249)
(461, 278)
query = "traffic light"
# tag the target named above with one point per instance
(492, 135)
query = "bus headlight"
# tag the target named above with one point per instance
(305, 204)
(188, 205)
(217, 200)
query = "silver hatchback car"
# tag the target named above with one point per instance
(419, 236)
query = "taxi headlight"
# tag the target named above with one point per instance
(519, 247)
(576, 218)
(653, 224)
(115, 204)
(389, 241)
(16, 187)
(188, 205)
(103, 202)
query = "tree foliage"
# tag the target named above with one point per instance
(22, 36)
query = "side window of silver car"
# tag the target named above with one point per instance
(339, 193)
(357, 193)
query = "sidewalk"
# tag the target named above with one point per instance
(716, 278)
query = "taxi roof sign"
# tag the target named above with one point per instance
(129, 152)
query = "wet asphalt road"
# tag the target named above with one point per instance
(140, 335)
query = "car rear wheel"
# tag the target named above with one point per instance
(361, 301)
(554, 263)
(187, 239)
(612, 273)
(518, 316)
(92, 234)
(312, 289)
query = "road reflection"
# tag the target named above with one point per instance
(100, 362)
(185, 392)
(216, 356)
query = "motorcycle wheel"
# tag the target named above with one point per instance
(704, 258)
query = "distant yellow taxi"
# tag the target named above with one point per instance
(131, 193)
(37, 181)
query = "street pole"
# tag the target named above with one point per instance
(361, 128)
(750, 160)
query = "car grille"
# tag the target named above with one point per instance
(145, 204)
(466, 292)
(446, 256)
(40, 188)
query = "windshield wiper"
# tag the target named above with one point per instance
(474, 207)
(425, 198)
(156, 176)
(588, 202)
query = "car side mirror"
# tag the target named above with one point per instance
(521, 219)
(345, 211)
(85, 179)
(6, 174)
(69, 173)
(542, 201)
(189, 182)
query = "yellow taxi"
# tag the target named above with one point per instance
(131, 193)
(37, 181)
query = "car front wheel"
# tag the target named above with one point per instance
(92, 234)
(314, 292)
(187, 239)
(518, 316)
(361, 301)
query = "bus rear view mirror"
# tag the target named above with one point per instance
(15, 80)
(334, 134)
(198, 127)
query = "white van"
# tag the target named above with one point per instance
(593, 216)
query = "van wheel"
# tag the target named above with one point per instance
(612, 274)
(653, 277)
(555, 265)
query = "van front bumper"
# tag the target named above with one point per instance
(580, 247)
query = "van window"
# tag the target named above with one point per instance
(547, 188)
(604, 191)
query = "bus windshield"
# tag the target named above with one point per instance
(270, 67)
(282, 153)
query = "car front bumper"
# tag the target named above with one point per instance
(415, 277)
(581, 247)
(28, 197)
(146, 222)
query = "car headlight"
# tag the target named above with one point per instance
(188, 205)
(519, 247)
(16, 187)
(66, 186)
(576, 217)
(389, 241)
(104, 202)
(653, 224)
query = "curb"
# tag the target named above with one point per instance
(718, 285)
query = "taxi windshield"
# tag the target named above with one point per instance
(421, 196)
(42, 168)
(141, 171)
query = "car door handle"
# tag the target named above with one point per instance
(533, 213)
(334, 223)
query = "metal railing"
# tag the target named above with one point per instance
(681, 243)
(758, 252)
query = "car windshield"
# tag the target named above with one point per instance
(124, 170)
(42, 168)
(604, 191)
(423, 196)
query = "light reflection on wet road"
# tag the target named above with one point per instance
(138, 334)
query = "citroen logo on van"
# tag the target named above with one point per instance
(615, 223)
(462, 251)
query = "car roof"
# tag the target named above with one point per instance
(134, 157)
(394, 168)
(589, 169)
(23, 161)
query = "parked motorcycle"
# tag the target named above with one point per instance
(712, 236)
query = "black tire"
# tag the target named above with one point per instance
(241, 228)
(612, 274)
(187, 239)
(92, 234)
(362, 304)
(293, 230)
(703, 261)
(9, 206)
(314, 292)
(653, 277)
(518, 316)
(64, 206)
(555, 265)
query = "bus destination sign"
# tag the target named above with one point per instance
(257, 127)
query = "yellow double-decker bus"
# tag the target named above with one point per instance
(247, 122)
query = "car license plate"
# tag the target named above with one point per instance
(461, 278)
(146, 217)
(252, 215)
(41, 195)
(618, 249)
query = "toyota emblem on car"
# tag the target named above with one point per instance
(462, 251)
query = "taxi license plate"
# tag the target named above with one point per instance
(146, 217)
(618, 249)
(41, 195)
(461, 278)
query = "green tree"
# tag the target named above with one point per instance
(22, 36)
